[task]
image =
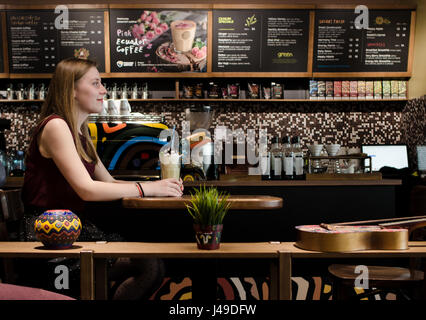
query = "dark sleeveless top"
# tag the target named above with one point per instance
(44, 185)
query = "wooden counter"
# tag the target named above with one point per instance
(303, 202)
(280, 257)
(288, 252)
(13, 183)
(226, 181)
(35, 250)
(293, 183)
(240, 202)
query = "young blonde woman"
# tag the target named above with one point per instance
(63, 170)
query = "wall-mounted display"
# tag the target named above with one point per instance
(158, 40)
(340, 47)
(36, 45)
(210, 41)
(260, 40)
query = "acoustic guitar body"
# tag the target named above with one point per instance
(351, 238)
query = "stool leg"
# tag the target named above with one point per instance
(340, 290)
(337, 288)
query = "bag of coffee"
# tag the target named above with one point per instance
(253, 90)
(198, 93)
(277, 90)
(234, 90)
(213, 91)
(188, 91)
(266, 93)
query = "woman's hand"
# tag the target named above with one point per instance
(163, 188)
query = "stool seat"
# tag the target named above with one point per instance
(382, 279)
(377, 273)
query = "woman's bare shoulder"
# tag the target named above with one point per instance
(56, 125)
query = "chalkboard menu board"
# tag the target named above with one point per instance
(340, 47)
(36, 45)
(158, 40)
(260, 40)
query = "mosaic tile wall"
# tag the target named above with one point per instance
(347, 123)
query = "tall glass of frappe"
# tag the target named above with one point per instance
(170, 165)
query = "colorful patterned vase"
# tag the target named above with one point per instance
(208, 237)
(57, 229)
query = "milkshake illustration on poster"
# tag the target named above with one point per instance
(158, 41)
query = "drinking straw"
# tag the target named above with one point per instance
(172, 142)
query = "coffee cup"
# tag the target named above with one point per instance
(112, 108)
(104, 110)
(125, 107)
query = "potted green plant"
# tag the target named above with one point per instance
(208, 207)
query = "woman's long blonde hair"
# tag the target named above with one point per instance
(60, 101)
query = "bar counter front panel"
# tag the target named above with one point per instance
(304, 202)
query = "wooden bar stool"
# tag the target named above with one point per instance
(383, 279)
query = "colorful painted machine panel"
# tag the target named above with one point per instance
(127, 146)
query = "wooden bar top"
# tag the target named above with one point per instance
(184, 250)
(29, 249)
(238, 202)
(292, 183)
(105, 249)
(235, 181)
(415, 249)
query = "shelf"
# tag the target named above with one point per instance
(15, 101)
(343, 157)
(286, 100)
(226, 100)
(211, 75)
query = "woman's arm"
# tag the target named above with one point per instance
(157, 188)
(56, 142)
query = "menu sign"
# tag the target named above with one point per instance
(36, 45)
(260, 40)
(145, 40)
(340, 47)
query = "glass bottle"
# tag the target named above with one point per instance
(18, 166)
(4, 161)
(288, 162)
(298, 158)
(9, 93)
(31, 92)
(114, 91)
(124, 91)
(276, 159)
(20, 92)
(135, 91)
(265, 164)
(41, 92)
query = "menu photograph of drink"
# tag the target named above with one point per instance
(260, 40)
(144, 40)
(37, 44)
(382, 47)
